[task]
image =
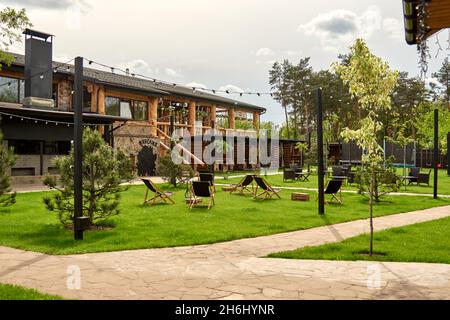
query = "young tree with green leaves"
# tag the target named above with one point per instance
(371, 81)
(104, 169)
(12, 24)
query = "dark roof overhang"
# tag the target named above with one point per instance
(57, 115)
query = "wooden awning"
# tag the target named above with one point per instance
(438, 18)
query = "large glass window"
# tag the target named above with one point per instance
(140, 110)
(125, 109)
(30, 147)
(112, 106)
(87, 100)
(10, 90)
(131, 109)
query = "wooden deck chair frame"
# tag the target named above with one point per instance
(268, 191)
(334, 195)
(159, 195)
(242, 188)
(195, 198)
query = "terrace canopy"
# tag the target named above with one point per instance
(424, 18)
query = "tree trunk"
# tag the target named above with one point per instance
(287, 122)
(372, 186)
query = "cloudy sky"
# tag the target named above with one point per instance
(223, 44)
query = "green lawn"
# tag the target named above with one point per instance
(443, 183)
(27, 225)
(10, 292)
(423, 242)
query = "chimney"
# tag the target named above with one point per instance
(38, 69)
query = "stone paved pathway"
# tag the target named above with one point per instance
(235, 270)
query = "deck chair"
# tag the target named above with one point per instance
(333, 187)
(268, 191)
(159, 195)
(246, 184)
(207, 177)
(289, 174)
(201, 189)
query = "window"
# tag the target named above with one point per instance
(87, 100)
(112, 106)
(11, 90)
(125, 109)
(131, 109)
(31, 147)
(140, 110)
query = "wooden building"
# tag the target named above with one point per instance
(133, 113)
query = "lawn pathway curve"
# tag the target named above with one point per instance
(235, 269)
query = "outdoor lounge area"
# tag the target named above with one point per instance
(242, 152)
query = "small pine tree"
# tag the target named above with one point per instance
(103, 172)
(7, 160)
(171, 171)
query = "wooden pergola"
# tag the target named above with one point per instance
(420, 26)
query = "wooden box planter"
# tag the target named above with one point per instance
(300, 196)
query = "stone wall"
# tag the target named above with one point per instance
(34, 162)
(131, 139)
(65, 95)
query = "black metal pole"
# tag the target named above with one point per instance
(436, 152)
(213, 153)
(448, 153)
(172, 143)
(78, 148)
(320, 165)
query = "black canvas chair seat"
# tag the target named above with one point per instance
(207, 177)
(202, 189)
(333, 187)
(267, 190)
(246, 184)
(159, 195)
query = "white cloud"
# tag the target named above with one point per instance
(394, 28)
(231, 88)
(264, 52)
(339, 28)
(172, 73)
(50, 4)
(139, 66)
(196, 85)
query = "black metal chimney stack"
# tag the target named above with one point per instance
(38, 68)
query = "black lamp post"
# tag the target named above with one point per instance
(172, 143)
(213, 153)
(78, 149)
(320, 164)
(436, 152)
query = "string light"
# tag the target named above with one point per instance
(46, 121)
(39, 74)
(161, 82)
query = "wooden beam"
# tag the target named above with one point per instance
(153, 115)
(256, 120)
(192, 116)
(213, 114)
(94, 95)
(231, 119)
(101, 100)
